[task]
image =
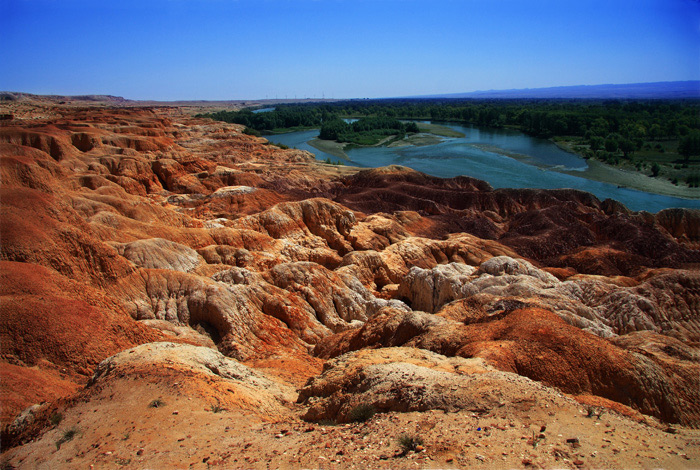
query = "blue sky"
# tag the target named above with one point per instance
(247, 49)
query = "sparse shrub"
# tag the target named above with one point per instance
(409, 443)
(655, 169)
(157, 403)
(250, 131)
(67, 437)
(594, 412)
(56, 418)
(535, 440)
(217, 408)
(362, 413)
(327, 422)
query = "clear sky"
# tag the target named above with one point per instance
(247, 49)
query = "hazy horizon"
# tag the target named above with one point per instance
(243, 49)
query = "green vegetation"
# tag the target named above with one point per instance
(409, 443)
(328, 161)
(67, 437)
(689, 146)
(437, 129)
(157, 403)
(253, 132)
(595, 412)
(634, 134)
(283, 117)
(217, 408)
(362, 413)
(56, 418)
(536, 439)
(366, 131)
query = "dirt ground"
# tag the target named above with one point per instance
(118, 428)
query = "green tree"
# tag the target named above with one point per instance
(596, 143)
(655, 169)
(689, 146)
(611, 144)
(627, 147)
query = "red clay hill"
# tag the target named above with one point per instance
(178, 293)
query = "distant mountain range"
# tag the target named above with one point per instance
(655, 90)
(689, 89)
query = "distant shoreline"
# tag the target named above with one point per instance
(330, 147)
(599, 171)
(596, 171)
(603, 173)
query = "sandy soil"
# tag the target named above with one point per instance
(118, 430)
(331, 147)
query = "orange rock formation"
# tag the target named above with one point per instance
(185, 239)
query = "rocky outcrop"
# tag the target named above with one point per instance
(252, 390)
(125, 226)
(539, 345)
(428, 290)
(409, 379)
(548, 226)
(158, 253)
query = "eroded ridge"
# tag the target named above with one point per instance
(157, 262)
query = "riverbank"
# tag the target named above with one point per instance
(598, 171)
(330, 147)
(595, 171)
(603, 173)
(430, 134)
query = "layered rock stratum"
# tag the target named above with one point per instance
(176, 293)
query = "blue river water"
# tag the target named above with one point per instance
(482, 153)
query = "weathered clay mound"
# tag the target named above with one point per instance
(537, 344)
(158, 253)
(124, 226)
(409, 379)
(544, 225)
(43, 229)
(683, 225)
(145, 386)
(226, 312)
(56, 330)
(252, 391)
(389, 327)
(595, 304)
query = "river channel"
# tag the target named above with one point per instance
(487, 154)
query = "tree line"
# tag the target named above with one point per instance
(607, 129)
(366, 131)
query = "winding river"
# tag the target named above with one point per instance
(484, 154)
